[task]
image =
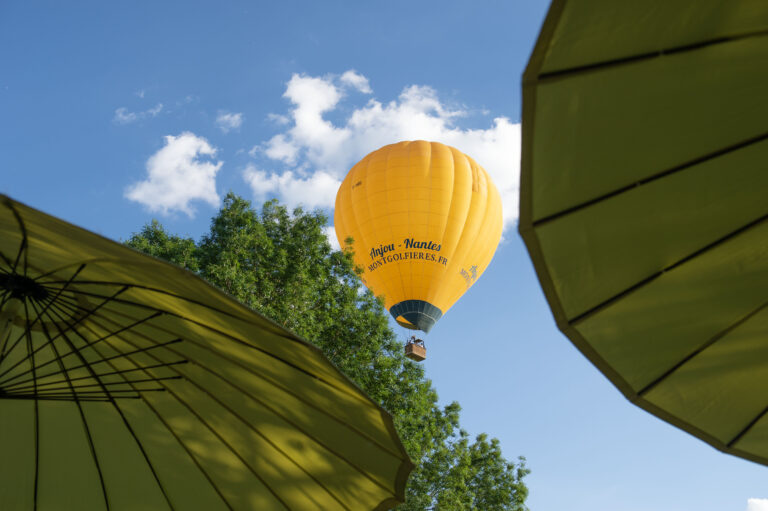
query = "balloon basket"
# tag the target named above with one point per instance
(415, 350)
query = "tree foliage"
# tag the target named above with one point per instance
(281, 265)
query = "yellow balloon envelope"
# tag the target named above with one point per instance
(424, 220)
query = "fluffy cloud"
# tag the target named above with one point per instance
(177, 175)
(227, 121)
(357, 81)
(312, 191)
(312, 149)
(757, 504)
(123, 116)
(330, 233)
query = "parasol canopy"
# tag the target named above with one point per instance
(643, 203)
(127, 383)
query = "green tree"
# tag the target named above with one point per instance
(281, 264)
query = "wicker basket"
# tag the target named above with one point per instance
(415, 351)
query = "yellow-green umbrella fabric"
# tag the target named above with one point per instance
(644, 206)
(127, 383)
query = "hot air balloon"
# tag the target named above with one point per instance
(423, 220)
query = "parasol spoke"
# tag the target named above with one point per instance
(60, 269)
(224, 334)
(7, 262)
(80, 366)
(597, 308)
(74, 395)
(29, 324)
(45, 312)
(59, 393)
(77, 352)
(110, 397)
(87, 341)
(254, 374)
(36, 406)
(65, 398)
(550, 76)
(655, 177)
(701, 348)
(272, 410)
(15, 388)
(110, 335)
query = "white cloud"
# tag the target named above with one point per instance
(329, 149)
(280, 148)
(278, 119)
(357, 81)
(176, 175)
(123, 116)
(757, 504)
(227, 121)
(317, 190)
(330, 233)
(152, 112)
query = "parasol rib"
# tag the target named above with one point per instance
(50, 340)
(75, 398)
(263, 378)
(160, 345)
(45, 312)
(659, 175)
(250, 426)
(80, 356)
(701, 348)
(173, 433)
(749, 426)
(28, 335)
(560, 74)
(125, 420)
(51, 300)
(64, 371)
(208, 327)
(597, 308)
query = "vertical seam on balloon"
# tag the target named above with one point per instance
(452, 181)
(387, 172)
(475, 252)
(460, 241)
(469, 252)
(409, 178)
(410, 203)
(367, 161)
(453, 151)
(426, 265)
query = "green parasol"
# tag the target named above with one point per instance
(127, 383)
(643, 203)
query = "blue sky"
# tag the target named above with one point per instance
(112, 114)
